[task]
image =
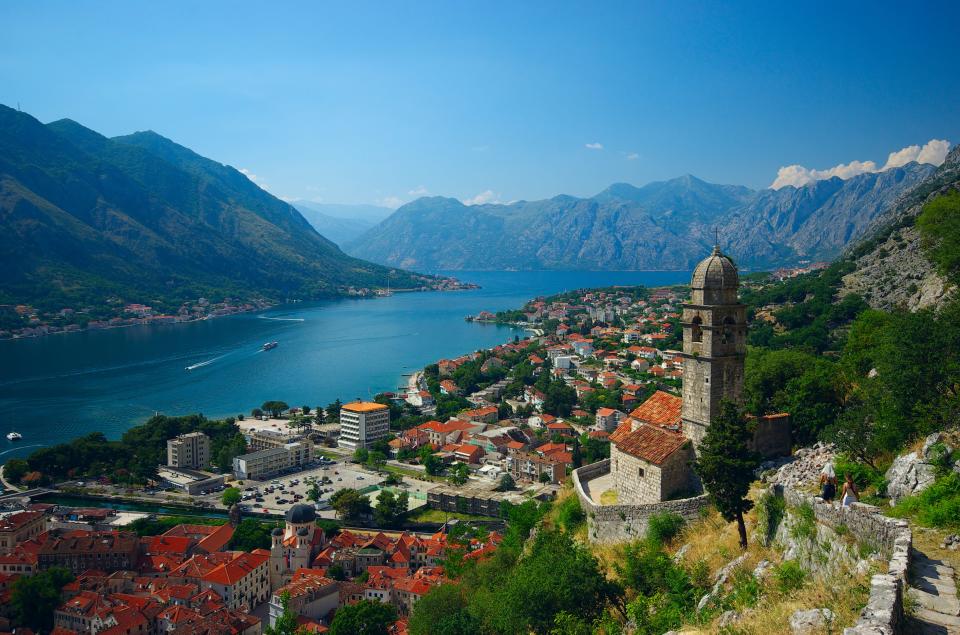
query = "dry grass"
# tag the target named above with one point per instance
(609, 497)
(928, 541)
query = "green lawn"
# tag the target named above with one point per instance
(426, 515)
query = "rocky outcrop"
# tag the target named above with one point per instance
(915, 471)
(811, 621)
(800, 470)
(891, 268)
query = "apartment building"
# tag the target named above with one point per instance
(362, 423)
(264, 464)
(191, 451)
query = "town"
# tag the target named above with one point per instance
(462, 443)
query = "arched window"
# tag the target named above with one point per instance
(696, 330)
(728, 332)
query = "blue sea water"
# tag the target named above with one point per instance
(57, 388)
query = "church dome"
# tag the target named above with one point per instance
(715, 280)
(301, 514)
(277, 531)
(303, 531)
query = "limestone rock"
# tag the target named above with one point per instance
(728, 618)
(810, 621)
(681, 552)
(908, 475)
(803, 468)
(762, 570)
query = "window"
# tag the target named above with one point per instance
(640, 472)
(696, 330)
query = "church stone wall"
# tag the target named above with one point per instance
(617, 523)
(630, 486)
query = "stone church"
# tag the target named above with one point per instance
(295, 545)
(652, 449)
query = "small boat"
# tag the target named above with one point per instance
(268, 346)
(14, 436)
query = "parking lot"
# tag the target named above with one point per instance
(277, 495)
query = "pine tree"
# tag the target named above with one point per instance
(726, 465)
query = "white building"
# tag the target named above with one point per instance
(191, 451)
(362, 423)
(264, 464)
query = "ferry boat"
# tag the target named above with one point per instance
(268, 346)
(14, 436)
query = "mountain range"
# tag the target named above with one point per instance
(662, 225)
(85, 218)
(341, 223)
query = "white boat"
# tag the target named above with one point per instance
(14, 436)
(268, 346)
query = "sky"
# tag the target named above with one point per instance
(379, 103)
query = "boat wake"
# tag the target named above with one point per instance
(206, 363)
(280, 319)
(22, 447)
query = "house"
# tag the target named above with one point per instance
(583, 348)
(562, 428)
(608, 418)
(486, 414)
(529, 466)
(310, 595)
(640, 365)
(447, 387)
(420, 399)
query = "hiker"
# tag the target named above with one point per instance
(850, 493)
(828, 482)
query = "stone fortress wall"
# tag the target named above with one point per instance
(617, 523)
(891, 536)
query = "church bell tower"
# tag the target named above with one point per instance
(714, 344)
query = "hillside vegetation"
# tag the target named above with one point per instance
(84, 219)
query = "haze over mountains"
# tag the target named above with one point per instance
(339, 222)
(84, 218)
(662, 225)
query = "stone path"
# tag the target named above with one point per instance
(936, 610)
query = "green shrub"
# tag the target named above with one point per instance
(570, 515)
(663, 527)
(770, 511)
(863, 475)
(790, 576)
(744, 592)
(805, 525)
(936, 506)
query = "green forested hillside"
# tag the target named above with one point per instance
(84, 218)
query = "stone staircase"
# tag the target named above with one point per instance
(933, 591)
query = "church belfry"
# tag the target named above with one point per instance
(714, 344)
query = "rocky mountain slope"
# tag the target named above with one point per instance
(892, 270)
(84, 218)
(664, 225)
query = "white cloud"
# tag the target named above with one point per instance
(487, 196)
(392, 202)
(419, 191)
(933, 152)
(593, 146)
(253, 177)
(632, 156)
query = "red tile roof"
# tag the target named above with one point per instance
(661, 409)
(651, 443)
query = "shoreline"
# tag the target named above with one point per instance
(268, 307)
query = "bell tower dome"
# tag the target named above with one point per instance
(714, 343)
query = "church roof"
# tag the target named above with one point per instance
(716, 271)
(650, 443)
(661, 409)
(300, 514)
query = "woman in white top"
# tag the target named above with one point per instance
(850, 493)
(828, 482)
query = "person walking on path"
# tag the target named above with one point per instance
(828, 482)
(850, 493)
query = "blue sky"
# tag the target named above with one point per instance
(359, 102)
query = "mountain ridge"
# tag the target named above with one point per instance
(661, 225)
(85, 218)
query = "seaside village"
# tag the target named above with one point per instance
(618, 384)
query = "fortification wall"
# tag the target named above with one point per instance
(891, 536)
(615, 523)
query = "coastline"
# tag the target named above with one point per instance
(212, 316)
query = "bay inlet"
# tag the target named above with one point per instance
(57, 388)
